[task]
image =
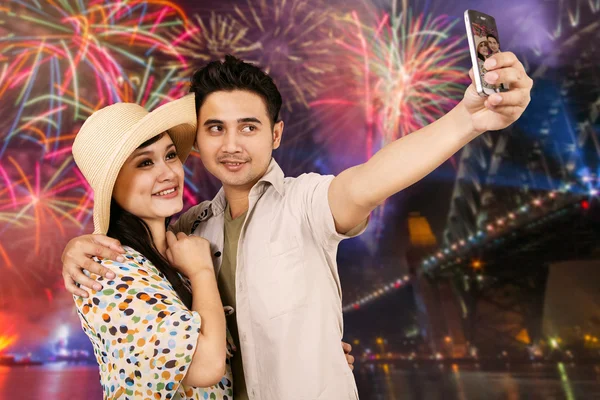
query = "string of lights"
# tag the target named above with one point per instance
(492, 230)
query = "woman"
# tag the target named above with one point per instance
(483, 52)
(151, 338)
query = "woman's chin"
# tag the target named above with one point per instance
(166, 210)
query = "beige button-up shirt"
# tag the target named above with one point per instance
(289, 309)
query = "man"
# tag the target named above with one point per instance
(275, 239)
(493, 44)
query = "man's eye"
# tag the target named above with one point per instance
(249, 128)
(215, 128)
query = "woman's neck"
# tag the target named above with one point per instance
(159, 235)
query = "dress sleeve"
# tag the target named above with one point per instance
(148, 337)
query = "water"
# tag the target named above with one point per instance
(73, 382)
(49, 382)
(543, 382)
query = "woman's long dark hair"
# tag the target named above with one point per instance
(132, 231)
(479, 55)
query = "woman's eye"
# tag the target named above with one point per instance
(145, 163)
(172, 155)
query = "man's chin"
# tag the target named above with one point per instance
(236, 179)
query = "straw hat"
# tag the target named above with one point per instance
(479, 40)
(110, 135)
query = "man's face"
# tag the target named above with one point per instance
(235, 139)
(494, 45)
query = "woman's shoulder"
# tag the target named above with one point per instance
(135, 262)
(134, 276)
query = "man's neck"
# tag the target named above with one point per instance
(237, 200)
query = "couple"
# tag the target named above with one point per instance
(272, 240)
(486, 47)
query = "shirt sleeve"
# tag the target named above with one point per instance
(315, 190)
(145, 335)
(186, 220)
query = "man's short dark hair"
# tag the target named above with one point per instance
(235, 74)
(492, 36)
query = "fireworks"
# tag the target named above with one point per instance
(202, 42)
(7, 335)
(84, 48)
(401, 70)
(294, 39)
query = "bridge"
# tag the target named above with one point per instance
(524, 220)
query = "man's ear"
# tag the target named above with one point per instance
(277, 134)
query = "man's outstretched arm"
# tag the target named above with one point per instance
(355, 192)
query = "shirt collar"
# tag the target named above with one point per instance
(273, 176)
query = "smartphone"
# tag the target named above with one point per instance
(484, 42)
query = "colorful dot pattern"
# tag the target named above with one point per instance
(143, 336)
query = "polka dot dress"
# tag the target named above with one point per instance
(143, 336)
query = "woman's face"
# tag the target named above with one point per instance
(483, 49)
(150, 183)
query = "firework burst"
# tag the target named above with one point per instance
(210, 39)
(51, 47)
(8, 337)
(293, 40)
(48, 197)
(402, 71)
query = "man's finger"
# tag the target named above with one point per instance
(109, 242)
(350, 359)
(347, 347)
(85, 261)
(74, 289)
(92, 249)
(502, 60)
(510, 112)
(512, 98)
(96, 268)
(86, 281)
(514, 77)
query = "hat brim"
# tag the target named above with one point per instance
(177, 118)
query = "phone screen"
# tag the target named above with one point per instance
(486, 43)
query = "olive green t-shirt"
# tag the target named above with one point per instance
(226, 282)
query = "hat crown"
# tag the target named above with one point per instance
(101, 137)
